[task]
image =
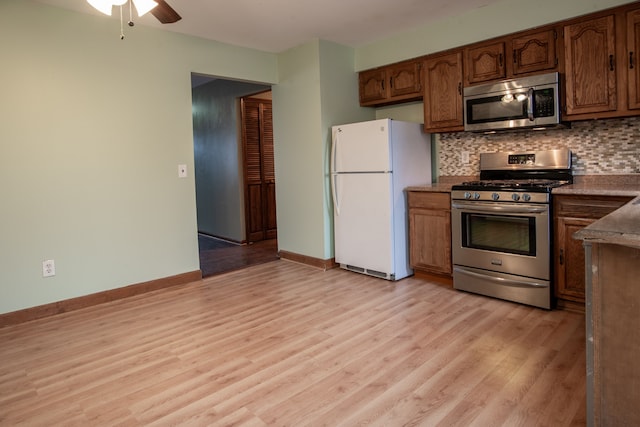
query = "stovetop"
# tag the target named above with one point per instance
(534, 171)
(533, 185)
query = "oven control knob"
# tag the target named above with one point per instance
(495, 196)
(476, 196)
(466, 195)
(526, 197)
(515, 197)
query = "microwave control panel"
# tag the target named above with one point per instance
(544, 103)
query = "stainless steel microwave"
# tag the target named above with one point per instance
(527, 102)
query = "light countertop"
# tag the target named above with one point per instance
(620, 227)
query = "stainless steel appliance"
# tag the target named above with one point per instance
(371, 164)
(526, 102)
(501, 226)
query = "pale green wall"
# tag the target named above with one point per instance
(92, 131)
(496, 19)
(298, 134)
(321, 76)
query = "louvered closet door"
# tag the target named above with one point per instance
(260, 187)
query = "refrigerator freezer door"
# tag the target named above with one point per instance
(361, 147)
(364, 222)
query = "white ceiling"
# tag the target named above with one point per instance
(277, 25)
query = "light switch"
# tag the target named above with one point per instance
(182, 171)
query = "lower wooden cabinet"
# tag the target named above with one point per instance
(430, 232)
(572, 213)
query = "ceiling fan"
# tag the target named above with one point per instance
(164, 13)
(158, 8)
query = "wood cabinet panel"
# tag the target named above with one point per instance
(429, 200)
(430, 232)
(404, 79)
(443, 93)
(372, 86)
(484, 63)
(572, 213)
(590, 55)
(633, 66)
(534, 52)
(400, 82)
(570, 282)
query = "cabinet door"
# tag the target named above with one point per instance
(404, 79)
(443, 93)
(484, 63)
(590, 66)
(430, 240)
(633, 43)
(372, 86)
(570, 276)
(534, 52)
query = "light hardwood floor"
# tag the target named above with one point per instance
(290, 345)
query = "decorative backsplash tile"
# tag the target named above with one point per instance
(599, 147)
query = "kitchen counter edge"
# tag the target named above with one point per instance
(621, 227)
(431, 188)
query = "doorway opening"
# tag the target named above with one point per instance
(221, 169)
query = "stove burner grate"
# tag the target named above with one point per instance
(516, 184)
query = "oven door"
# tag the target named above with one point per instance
(510, 238)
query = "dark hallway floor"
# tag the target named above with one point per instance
(219, 256)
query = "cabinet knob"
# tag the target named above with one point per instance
(610, 62)
(631, 60)
(561, 260)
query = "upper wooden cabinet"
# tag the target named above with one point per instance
(534, 52)
(484, 62)
(596, 56)
(443, 93)
(401, 82)
(633, 66)
(590, 54)
(522, 53)
(373, 86)
(602, 77)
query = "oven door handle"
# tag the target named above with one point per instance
(484, 208)
(500, 280)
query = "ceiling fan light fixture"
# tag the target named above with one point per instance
(103, 6)
(144, 6)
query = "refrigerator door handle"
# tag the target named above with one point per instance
(336, 206)
(334, 148)
(334, 175)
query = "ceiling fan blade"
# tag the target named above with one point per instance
(165, 13)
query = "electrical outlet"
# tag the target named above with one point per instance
(182, 171)
(464, 157)
(48, 268)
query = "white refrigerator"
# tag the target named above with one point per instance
(371, 165)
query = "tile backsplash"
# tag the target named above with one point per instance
(599, 147)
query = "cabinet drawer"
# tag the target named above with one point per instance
(588, 206)
(429, 200)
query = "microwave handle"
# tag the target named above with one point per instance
(530, 106)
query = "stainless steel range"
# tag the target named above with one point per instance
(501, 226)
